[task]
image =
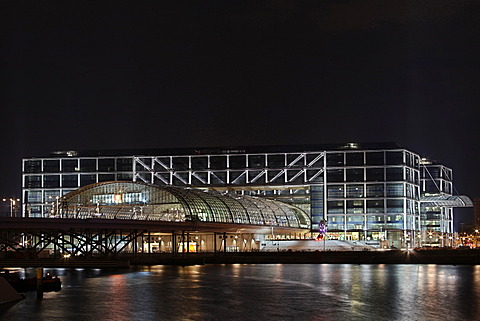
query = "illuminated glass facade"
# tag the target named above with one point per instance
(140, 201)
(436, 220)
(368, 192)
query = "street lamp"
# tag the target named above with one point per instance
(13, 204)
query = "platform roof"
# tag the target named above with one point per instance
(447, 200)
(140, 201)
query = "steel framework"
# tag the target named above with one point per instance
(231, 169)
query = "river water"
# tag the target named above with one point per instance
(259, 292)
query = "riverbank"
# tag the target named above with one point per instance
(450, 257)
(433, 256)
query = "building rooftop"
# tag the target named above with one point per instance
(224, 150)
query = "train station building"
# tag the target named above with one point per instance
(373, 192)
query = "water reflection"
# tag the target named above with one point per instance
(253, 292)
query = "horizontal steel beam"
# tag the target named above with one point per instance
(44, 224)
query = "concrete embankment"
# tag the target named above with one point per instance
(454, 257)
(65, 263)
(450, 257)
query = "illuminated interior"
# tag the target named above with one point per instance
(140, 201)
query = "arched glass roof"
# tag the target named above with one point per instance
(134, 200)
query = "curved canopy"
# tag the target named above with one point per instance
(134, 200)
(447, 200)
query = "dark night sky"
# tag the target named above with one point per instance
(154, 74)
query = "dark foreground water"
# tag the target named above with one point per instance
(259, 292)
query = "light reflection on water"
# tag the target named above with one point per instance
(256, 291)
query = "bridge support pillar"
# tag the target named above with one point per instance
(224, 242)
(215, 242)
(174, 243)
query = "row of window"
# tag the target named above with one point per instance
(222, 162)
(365, 218)
(436, 172)
(117, 198)
(372, 174)
(361, 226)
(373, 190)
(179, 163)
(71, 165)
(369, 222)
(370, 206)
(436, 185)
(73, 180)
(361, 158)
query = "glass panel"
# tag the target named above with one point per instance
(180, 178)
(375, 190)
(34, 211)
(199, 178)
(355, 222)
(87, 179)
(32, 181)
(295, 160)
(295, 176)
(375, 206)
(106, 165)
(430, 187)
(315, 175)
(395, 206)
(375, 222)
(316, 203)
(410, 159)
(335, 159)
(51, 166)
(434, 171)
(395, 174)
(51, 196)
(51, 181)
(124, 165)
(335, 175)
(335, 207)
(375, 175)
(258, 175)
(410, 174)
(355, 206)
(276, 161)
(315, 160)
(335, 191)
(238, 162)
(354, 159)
(355, 175)
(88, 165)
(218, 162)
(106, 177)
(374, 158)
(447, 187)
(70, 165)
(394, 158)
(34, 197)
(394, 190)
(199, 163)
(219, 178)
(69, 180)
(336, 222)
(256, 161)
(355, 191)
(33, 166)
(180, 163)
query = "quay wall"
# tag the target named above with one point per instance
(449, 257)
